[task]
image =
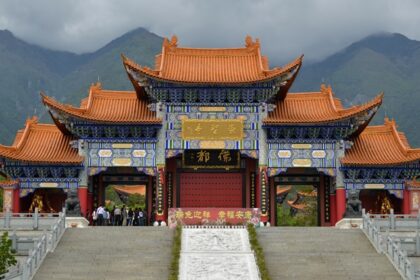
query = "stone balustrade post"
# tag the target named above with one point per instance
(417, 243)
(36, 219)
(392, 219)
(7, 219)
(14, 240)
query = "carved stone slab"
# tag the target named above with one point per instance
(213, 254)
(215, 240)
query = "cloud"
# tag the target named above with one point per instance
(286, 28)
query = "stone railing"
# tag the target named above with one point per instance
(384, 232)
(399, 258)
(33, 221)
(393, 221)
(37, 247)
(35, 258)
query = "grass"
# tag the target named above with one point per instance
(176, 254)
(258, 251)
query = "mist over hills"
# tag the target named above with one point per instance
(381, 62)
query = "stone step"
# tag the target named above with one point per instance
(322, 253)
(110, 253)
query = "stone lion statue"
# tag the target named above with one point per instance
(72, 203)
(354, 206)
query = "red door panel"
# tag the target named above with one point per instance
(211, 190)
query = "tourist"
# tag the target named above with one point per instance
(117, 216)
(124, 215)
(130, 217)
(145, 217)
(136, 217)
(111, 217)
(107, 217)
(100, 213)
(141, 217)
(94, 217)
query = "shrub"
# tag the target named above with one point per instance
(176, 254)
(7, 258)
(258, 251)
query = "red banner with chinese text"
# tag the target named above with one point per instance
(213, 216)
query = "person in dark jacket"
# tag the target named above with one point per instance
(130, 217)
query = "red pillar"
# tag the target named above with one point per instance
(333, 209)
(406, 202)
(83, 198)
(90, 205)
(341, 203)
(257, 190)
(16, 200)
(273, 202)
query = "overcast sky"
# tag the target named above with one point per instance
(286, 28)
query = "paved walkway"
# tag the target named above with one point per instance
(121, 253)
(217, 254)
(322, 253)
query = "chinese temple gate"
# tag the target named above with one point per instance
(213, 128)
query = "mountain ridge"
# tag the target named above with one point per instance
(388, 62)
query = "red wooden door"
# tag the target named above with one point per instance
(211, 190)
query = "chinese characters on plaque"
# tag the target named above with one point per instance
(212, 216)
(212, 129)
(211, 158)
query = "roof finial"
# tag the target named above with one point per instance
(248, 41)
(174, 41)
(32, 120)
(390, 122)
(326, 89)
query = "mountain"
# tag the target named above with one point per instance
(26, 69)
(381, 62)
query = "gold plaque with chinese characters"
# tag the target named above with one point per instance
(212, 129)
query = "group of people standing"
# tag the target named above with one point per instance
(117, 216)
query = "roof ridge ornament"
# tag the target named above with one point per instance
(174, 41)
(249, 42)
(326, 89)
(390, 122)
(96, 86)
(32, 120)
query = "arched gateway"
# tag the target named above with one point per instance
(213, 130)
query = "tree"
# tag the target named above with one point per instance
(7, 258)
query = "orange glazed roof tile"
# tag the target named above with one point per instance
(199, 65)
(381, 145)
(107, 106)
(41, 143)
(315, 107)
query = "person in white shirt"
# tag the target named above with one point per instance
(101, 215)
(94, 217)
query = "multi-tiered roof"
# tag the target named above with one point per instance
(44, 143)
(41, 143)
(381, 145)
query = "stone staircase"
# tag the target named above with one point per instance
(322, 253)
(110, 253)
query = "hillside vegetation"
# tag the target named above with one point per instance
(384, 62)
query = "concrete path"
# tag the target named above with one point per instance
(217, 254)
(322, 253)
(121, 253)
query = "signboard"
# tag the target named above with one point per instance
(211, 159)
(212, 129)
(213, 216)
